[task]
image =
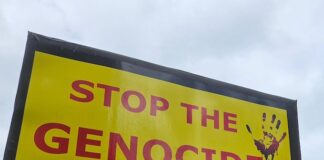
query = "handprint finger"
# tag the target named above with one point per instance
(249, 129)
(264, 117)
(282, 137)
(278, 124)
(273, 118)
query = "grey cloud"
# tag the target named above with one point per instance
(272, 46)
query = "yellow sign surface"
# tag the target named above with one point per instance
(78, 110)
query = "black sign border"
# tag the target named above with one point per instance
(36, 42)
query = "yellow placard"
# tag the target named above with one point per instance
(78, 110)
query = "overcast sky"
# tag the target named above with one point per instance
(273, 46)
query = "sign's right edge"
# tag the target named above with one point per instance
(293, 131)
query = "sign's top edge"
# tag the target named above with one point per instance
(239, 90)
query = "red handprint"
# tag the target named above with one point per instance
(269, 143)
